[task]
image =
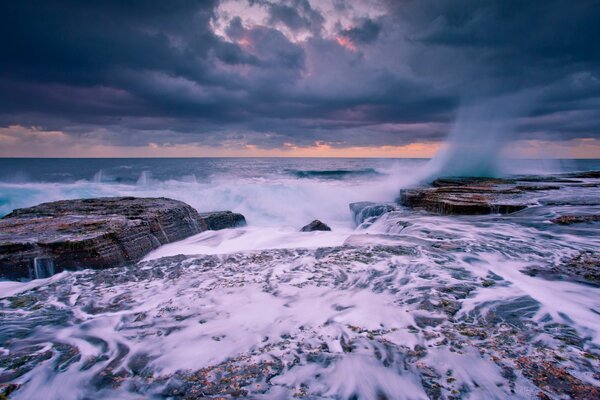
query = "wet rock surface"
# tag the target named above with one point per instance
(480, 196)
(218, 220)
(468, 196)
(366, 211)
(422, 306)
(316, 225)
(451, 201)
(90, 233)
(306, 324)
(584, 267)
(576, 219)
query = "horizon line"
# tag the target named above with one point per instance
(280, 157)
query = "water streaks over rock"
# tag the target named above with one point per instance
(413, 305)
(370, 321)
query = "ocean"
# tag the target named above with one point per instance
(268, 191)
(410, 305)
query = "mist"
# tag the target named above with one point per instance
(482, 129)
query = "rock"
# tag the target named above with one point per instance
(90, 233)
(475, 196)
(461, 200)
(551, 376)
(223, 219)
(469, 181)
(7, 388)
(583, 268)
(316, 225)
(576, 219)
(364, 210)
(530, 188)
(585, 175)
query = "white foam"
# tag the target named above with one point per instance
(251, 238)
(12, 288)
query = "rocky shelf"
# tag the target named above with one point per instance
(473, 196)
(96, 233)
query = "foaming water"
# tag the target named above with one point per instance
(282, 202)
(412, 306)
(270, 192)
(252, 238)
(412, 303)
(265, 191)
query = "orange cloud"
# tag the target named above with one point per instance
(345, 42)
(21, 141)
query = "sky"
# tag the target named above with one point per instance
(365, 78)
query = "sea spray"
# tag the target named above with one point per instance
(481, 130)
(145, 178)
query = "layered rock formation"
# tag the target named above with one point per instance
(223, 219)
(90, 233)
(470, 196)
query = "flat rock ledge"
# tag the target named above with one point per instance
(98, 233)
(472, 196)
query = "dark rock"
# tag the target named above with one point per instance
(585, 175)
(554, 378)
(7, 388)
(531, 188)
(583, 268)
(364, 210)
(424, 321)
(223, 219)
(316, 225)
(475, 196)
(576, 219)
(553, 179)
(461, 200)
(90, 233)
(469, 181)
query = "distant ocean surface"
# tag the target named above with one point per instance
(268, 191)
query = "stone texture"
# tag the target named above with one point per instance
(316, 225)
(576, 219)
(583, 268)
(365, 210)
(223, 219)
(90, 233)
(470, 196)
(458, 202)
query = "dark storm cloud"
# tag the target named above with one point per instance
(509, 42)
(297, 15)
(154, 71)
(484, 49)
(366, 32)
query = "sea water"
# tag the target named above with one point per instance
(268, 191)
(412, 306)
